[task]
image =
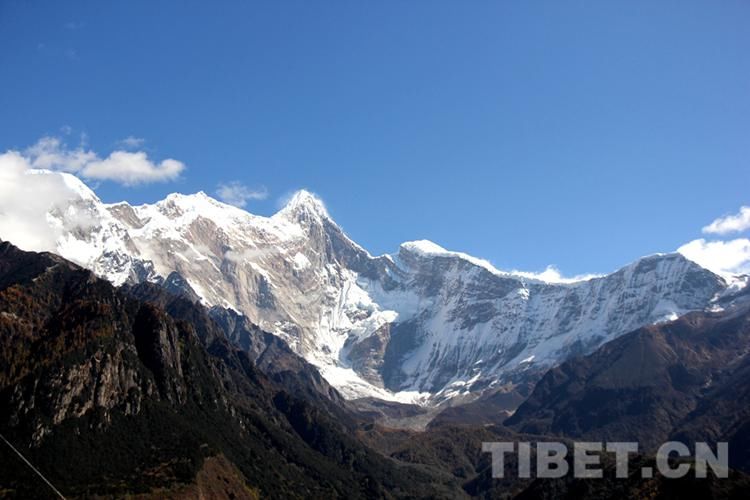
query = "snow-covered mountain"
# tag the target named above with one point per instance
(422, 325)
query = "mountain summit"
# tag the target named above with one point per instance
(304, 203)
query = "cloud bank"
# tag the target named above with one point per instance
(553, 275)
(237, 194)
(129, 168)
(131, 142)
(730, 223)
(721, 257)
(25, 203)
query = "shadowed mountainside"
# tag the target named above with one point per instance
(111, 395)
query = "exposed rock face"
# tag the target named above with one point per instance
(72, 345)
(177, 285)
(217, 327)
(424, 325)
(158, 348)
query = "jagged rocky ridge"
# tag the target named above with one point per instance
(112, 395)
(424, 325)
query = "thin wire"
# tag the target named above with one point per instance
(32, 467)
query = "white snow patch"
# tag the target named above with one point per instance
(352, 386)
(527, 360)
(300, 262)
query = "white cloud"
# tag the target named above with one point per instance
(553, 275)
(237, 194)
(721, 257)
(132, 168)
(730, 223)
(50, 153)
(131, 142)
(25, 200)
(129, 168)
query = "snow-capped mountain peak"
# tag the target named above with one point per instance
(197, 204)
(75, 184)
(424, 324)
(304, 204)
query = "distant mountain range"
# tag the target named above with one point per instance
(423, 326)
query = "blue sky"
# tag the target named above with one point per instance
(578, 134)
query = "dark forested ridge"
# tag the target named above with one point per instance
(110, 395)
(113, 392)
